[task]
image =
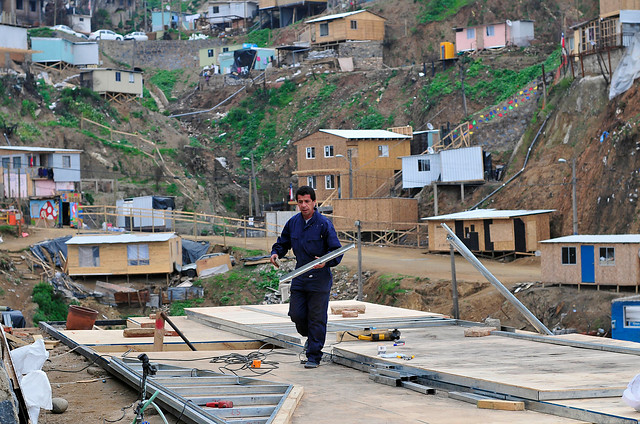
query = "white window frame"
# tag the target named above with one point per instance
(324, 29)
(490, 31)
(471, 33)
(571, 259)
(609, 257)
(311, 152)
(329, 182)
(89, 256)
(312, 181)
(132, 78)
(383, 151)
(328, 151)
(424, 165)
(138, 254)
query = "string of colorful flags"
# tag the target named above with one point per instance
(522, 96)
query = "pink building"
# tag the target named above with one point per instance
(491, 36)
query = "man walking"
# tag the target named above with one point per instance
(311, 236)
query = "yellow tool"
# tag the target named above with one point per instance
(382, 335)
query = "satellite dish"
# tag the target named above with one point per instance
(430, 126)
(509, 22)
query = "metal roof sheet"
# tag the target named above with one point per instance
(366, 134)
(332, 17)
(596, 238)
(39, 149)
(487, 214)
(120, 238)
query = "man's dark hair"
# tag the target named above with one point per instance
(304, 190)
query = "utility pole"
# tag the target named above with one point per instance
(359, 227)
(255, 189)
(454, 284)
(573, 196)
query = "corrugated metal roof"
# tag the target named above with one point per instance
(366, 134)
(39, 149)
(332, 17)
(487, 214)
(121, 238)
(596, 238)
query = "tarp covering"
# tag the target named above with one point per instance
(192, 250)
(53, 247)
(160, 202)
(243, 60)
(628, 69)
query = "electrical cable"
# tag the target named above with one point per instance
(82, 369)
(123, 409)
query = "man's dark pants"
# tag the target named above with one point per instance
(308, 310)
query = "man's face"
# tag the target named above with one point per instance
(306, 205)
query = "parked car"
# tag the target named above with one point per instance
(137, 35)
(67, 30)
(105, 34)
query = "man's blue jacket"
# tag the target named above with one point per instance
(309, 240)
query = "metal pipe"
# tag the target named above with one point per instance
(468, 255)
(310, 265)
(182, 336)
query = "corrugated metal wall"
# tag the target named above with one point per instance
(462, 164)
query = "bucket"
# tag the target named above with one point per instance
(81, 318)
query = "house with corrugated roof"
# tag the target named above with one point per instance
(491, 231)
(596, 260)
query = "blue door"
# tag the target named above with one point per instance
(587, 264)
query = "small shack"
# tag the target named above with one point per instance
(114, 84)
(61, 53)
(123, 254)
(491, 231)
(209, 55)
(376, 214)
(465, 165)
(491, 36)
(361, 25)
(625, 318)
(145, 213)
(608, 260)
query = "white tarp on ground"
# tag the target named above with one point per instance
(628, 69)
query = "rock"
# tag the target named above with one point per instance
(478, 331)
(59, 405)
(95, 371)
(492, 322)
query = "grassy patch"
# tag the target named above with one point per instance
(177, 306)
(438, 10)
(166, 80)
(28, 132)
(147, 101)
(260, 37)
(51, 306)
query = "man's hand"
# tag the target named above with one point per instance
(274, 260)
(320, 265)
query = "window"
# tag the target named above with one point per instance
(81, 19)
(491, 31)
(225, 49)
(424, 165)
(311, 182)
(631, 316)
(568, 256)
(66, 161)
(607, 256)
(138, 254)
(19, 5)
(6, 162)
(471, 33)
(383, 151)
(17, 162)
(132, 78)
(354, 24)
(329, 182)
(210, 53)
(118, 76)
(32, 5)
(89, 256)
(215, 9)
(311, 152)
(328, 151)
(324, 30)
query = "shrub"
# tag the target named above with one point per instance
(51, 306)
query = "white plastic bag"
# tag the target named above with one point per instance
(631, 395)
(37, 393)
(29, 358)
(628, 69)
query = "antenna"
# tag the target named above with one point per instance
(509, 22)
(429, 125)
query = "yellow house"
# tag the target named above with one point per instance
(209, 55)
(124, 254)
(360, 25)
(113, 83)
(353, 163)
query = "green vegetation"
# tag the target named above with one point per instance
(45, 91)
(260, 37)
(83, 102)
(177, 306)
(44, 32)
(28, 108)
(438, 10)
(311, 107)
(372, 119)
(28, 132)
(166, 80)
(389, 285)
(51, 307)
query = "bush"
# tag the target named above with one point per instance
(51, 306)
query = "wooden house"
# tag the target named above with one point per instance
(124, 254)
(610, 260)
(379, 214)
(282, 13)
(361, 25)
(61, 52)
(349, 163)
(114, 84)
(495, 35)
(492, 231)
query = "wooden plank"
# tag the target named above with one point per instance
(19, 342)
(502, 405)
(285, 413)
(337, 309)
(145, 332)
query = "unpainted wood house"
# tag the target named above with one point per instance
(492, 231)
(124, 254)
(326, 157)
(361, 25)
(610, 260)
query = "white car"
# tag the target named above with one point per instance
(105, 34)
(67, 30)
(137, 35)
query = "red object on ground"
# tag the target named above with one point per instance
(220, 404)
